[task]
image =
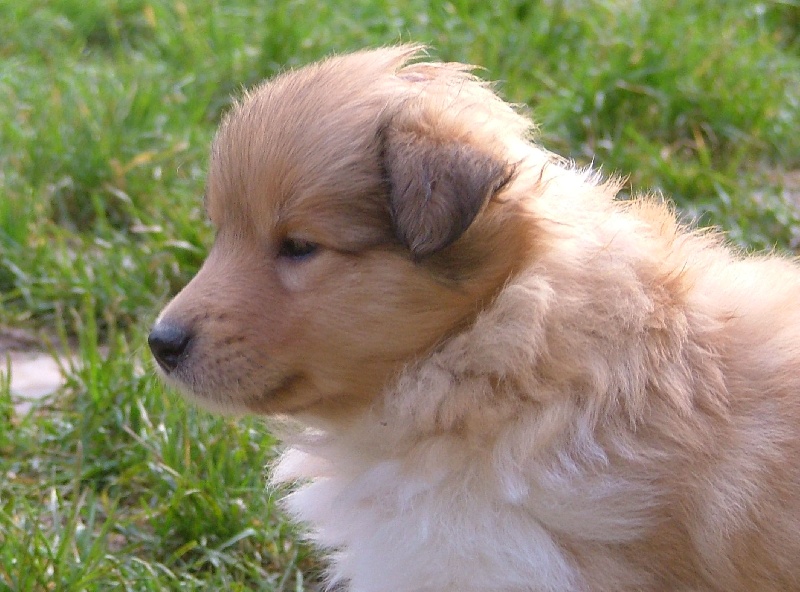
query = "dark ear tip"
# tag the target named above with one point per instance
(419, 246)
(420, 252)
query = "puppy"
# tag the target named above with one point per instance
(507, 379)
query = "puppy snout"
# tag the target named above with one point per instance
(169, 343)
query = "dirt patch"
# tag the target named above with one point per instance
(34, 373)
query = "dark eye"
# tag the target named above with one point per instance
(294, 248)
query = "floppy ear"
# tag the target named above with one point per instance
(437, 188)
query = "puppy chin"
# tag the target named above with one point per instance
(284, 396)
(290, 396)
(216, 401)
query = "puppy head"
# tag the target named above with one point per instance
(364, 213)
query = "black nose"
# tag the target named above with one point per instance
(168, 343)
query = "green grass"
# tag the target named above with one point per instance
(106, 111)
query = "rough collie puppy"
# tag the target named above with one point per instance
(507, 380)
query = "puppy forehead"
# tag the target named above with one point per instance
(294, 169)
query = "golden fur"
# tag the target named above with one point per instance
(510, 381)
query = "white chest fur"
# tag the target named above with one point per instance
(393, 528)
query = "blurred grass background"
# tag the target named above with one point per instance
(106, 111)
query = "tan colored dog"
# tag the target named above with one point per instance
(510, 380)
